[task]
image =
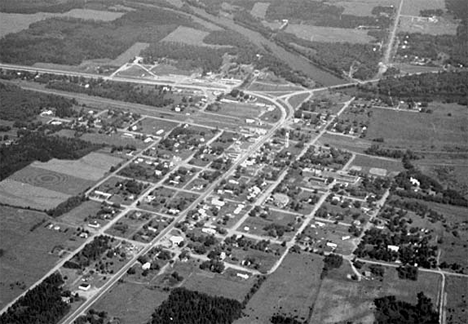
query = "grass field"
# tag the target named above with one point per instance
(347, 143)
(413, 7)
(190, 36)
(55, 181)
(297, 100)
(20, 194)
(12, 22)
(76, 216)
(421, 25)
(131, 302)
(445, 128)
(367, 163)
(26, 254)
(90, 167)
(292, 289)
(329, 34)
(361, 7)
(343, 300)
(129, 54)
(457, 303)
(153, 125)
(259, 9)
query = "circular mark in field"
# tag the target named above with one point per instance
(46, 179)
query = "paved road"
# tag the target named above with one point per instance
(391, 40)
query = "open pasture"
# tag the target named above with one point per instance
(292, 289)
(14, 22)
(329, 34)
(367, 163)
(20, 194)
(414, 7)
(26, 250)
(361, 7)
(131, 301)
(55, 181)
(189, 36)
(446, 127)
(424, 26)
(457, 300)
(344, 300)
(259, 9)
(129, 54)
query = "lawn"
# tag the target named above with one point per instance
(443, 129)
(292, 289)
(344, 300)
(329, 34)
(26, 246)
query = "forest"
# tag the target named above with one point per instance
(389, 310)
(427, 87)
(190, 307)
(41, 305)
(21, 105)
(40, 147)
(71, 41)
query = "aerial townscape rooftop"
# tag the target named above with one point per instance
(233, 162)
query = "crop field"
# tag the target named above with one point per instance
(366, 163)
(362, 7)
(259, 9)
(292, 289)
(26, 254)
(413, 7)
(13, 22)
(329, 34)
(129, 54)
(457, 300)
(55, 181)
(20, 194)
(90, 167)
(423, 26)
(131, 302)
(342, 300)
(422, 131)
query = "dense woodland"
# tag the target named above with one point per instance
(389, 310)
(91, 252)
(41, 305)
(190, 307)
(21, 105)
(40, 147)
(71, 41)
(442, 86)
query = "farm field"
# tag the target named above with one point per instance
(26, 252)
(90, 167)
(361, 7)
(13, 22)
(20, 194)
(259, 9)
(422, 25)
(414, 7)
(48, 179)
(131, 302)
(443, 129)
(342, 300)
(329, 34)
(457, 300)
(292, 289)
